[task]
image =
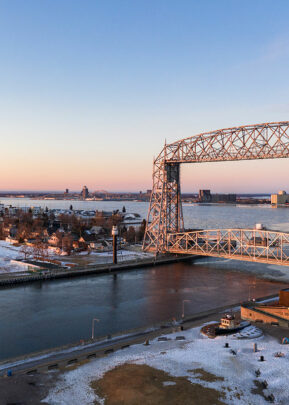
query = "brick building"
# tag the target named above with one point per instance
(274, 313)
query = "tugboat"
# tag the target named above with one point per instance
(229, 324)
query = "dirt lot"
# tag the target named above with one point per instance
(25, 389)
(133, 384)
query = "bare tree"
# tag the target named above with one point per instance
(26, 251)
(131, 235)
(67, 243)
(40, 250)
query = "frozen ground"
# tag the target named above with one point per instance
(9, 252)
(124, 255)
(195, 352)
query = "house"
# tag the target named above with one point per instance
(31, 241)
(104, 214)
(11, 240)
(52, 229)
(36, 210)
(86, 239)
(56, 238)
(102, 246)
(11, 230)
(96, 246)
(96, 230)
(54, 249)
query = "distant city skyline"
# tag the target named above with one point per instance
(118, 191)
(89, 94)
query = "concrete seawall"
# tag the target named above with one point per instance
(10, 280)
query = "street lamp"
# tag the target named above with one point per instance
(183, 313)
(92, 329)
(114, 233)
(251, 286)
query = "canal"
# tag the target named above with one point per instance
(48, 314)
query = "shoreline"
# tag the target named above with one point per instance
(277, 274)
(60, 357)
(12, 280)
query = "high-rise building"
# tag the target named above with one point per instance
(84, 192)
(205, 196)
(280, 198)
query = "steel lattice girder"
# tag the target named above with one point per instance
(261, 141)
(239, 244)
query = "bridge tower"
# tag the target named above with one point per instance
(165, 209)
(165, 216)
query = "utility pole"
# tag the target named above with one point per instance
(114, 233)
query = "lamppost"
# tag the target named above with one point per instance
(251, 286)
(114, 233)
(92, 329)
(183, 313)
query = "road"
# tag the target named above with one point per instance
(75, 354)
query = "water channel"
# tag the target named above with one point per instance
(48, 314)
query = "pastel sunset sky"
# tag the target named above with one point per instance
(90, 90)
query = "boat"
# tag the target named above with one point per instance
(229, 324)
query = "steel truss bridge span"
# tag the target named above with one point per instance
(239, 244)
(165, 216)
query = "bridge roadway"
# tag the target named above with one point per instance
(63, 357)
(255, 245)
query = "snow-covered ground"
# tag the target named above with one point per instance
(9, 252)
(124, 255)
(195, 352)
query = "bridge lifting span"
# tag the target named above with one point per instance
(165, 224)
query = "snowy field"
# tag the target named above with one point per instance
(195, 352)
(9, 252)
(123, 255)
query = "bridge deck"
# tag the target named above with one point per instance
(238, 244)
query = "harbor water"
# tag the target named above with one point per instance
(43, 315)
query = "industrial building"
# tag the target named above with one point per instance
(280, 198)
(85, 192)
(205, 196)
(274, 313)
